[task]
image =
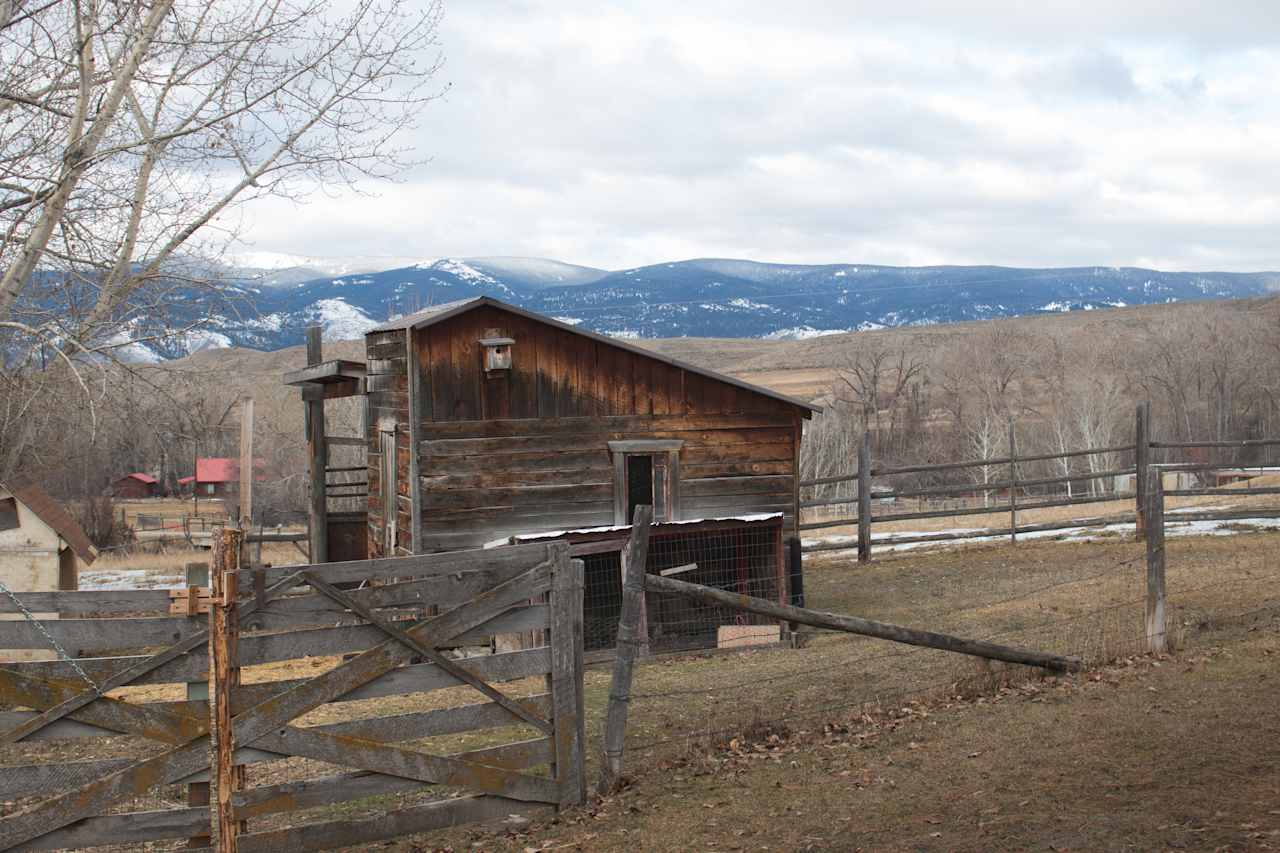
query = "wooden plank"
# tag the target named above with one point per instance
(84, 602)
(429, 653)
(596, 472)
(409, 764)
(130, 828)
(747, 485)
(566, 678)
(564, 440)
(96, 635)
(441, 590)
(865, 627)
(521, 496)
(417, 565)
(538, 461)
(415, 819)
(442, 721)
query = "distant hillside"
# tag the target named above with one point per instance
(697, 298)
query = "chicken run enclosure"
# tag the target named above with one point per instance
(741, 555)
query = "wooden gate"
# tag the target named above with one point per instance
(347, 688)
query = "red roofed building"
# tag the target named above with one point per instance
(135, 487)
(218, 476)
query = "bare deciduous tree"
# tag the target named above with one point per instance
(133, 131)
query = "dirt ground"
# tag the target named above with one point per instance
(1176, 753)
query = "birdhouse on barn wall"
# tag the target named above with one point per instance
(497, 351)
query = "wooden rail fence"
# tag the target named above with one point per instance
(290, 656)
(1019, 499)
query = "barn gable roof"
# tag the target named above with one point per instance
(53, 514)
(446, 310)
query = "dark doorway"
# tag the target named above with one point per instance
(639, 483)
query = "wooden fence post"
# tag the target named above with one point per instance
(224, 677)
(567, 675)
(1141, 464)
(1013, 485)
(1156, 640)
(864, 498)
(635, 557)
(197, 691)
(318, 452)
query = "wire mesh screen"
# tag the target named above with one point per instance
(738, 556)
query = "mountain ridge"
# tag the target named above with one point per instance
(700, 297)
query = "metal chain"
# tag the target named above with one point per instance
(57, 647)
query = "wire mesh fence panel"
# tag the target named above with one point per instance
(742, 556)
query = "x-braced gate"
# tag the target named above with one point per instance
(411, 632)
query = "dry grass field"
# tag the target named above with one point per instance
(853, 743)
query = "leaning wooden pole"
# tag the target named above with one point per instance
(865, 627)
(224, 678)
(1156, 639)
(635, 556)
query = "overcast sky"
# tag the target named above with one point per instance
(907, 132)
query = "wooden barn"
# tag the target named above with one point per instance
(135, 486)
(487, 421)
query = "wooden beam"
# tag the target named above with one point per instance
(317, 454)
(865, 627)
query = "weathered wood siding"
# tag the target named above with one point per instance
(387, 388)
(526, 450)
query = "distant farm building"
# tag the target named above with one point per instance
(486, 422)
(217, 477)
(135, 486)
(41, 547)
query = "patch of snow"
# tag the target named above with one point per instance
(340, 320)
(801, 333)
(625, 334)
(568, 321)
(100, 579)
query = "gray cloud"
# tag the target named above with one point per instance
(906, 132)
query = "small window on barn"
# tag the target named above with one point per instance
(8, 514)
(639, 482)
(646, 471)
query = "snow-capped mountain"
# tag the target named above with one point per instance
(702, 298)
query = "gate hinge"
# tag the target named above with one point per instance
(191, 601)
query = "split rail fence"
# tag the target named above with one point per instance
(330, 684)
(1016, 490)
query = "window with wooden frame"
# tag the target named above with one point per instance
(646, 471)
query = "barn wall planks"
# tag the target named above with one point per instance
(525, 450)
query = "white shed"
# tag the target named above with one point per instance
(41, 549)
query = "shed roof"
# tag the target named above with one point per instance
(53, 514)
(445, 310)
(141, 478)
